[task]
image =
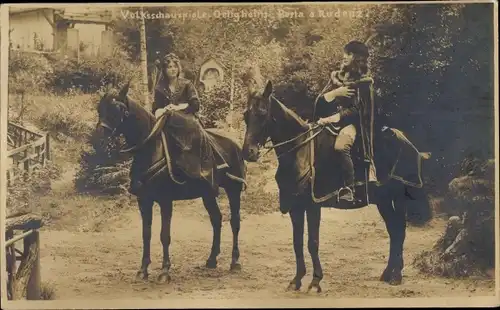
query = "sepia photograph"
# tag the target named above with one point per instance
(249, 155)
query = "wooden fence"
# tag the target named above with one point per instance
(29, 150)
(25, 281)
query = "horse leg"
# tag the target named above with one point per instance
(146, 209)
(166, 207)
(399, 239)
(395, 221)
(212, 207)
(234, 204)
(313, 223)
(297, 214)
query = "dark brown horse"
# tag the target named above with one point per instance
(120, 114)
(300, 148)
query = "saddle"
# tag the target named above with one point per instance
(327, 184)
(317, 168)
(186, 151)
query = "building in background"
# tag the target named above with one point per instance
(211, 73)
(72, 31)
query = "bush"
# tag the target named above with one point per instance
(103, 169)
(215, 104)
(90, 75)
(28, 72)
(22, 194)
(467, 246)
(47, 291)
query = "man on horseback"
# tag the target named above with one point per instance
(350, 106)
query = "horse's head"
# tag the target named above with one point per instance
(112, 109)
(257, 118)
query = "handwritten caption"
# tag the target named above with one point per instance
(245, 14)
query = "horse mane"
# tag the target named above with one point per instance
(252, 72)
(135, 106)
(289, 113)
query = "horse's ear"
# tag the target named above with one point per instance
(268, 90)
(124, 91)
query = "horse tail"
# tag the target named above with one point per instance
(418, 207)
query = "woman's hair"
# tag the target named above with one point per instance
(361, 54)
(172, 58)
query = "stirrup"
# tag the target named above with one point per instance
(348, 197)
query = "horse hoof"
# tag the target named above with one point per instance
(235, 267)
(294, 286)
(314, 284)
(317, 286)
(164, 277)
(386, 276)
(396, 279)
(211, 264)
(141, 276)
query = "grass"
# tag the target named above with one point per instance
(47, 291)
(69, 120)
(70, 115)
(261, 196)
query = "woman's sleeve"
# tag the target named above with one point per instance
(192, 99)
(154, 105)
(158, 101)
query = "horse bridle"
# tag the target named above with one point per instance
(124, 115)
(269, 118)
(264, 131)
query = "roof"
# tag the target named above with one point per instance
(19, 10)
(78, 14)
(214, 58)
(98, 17)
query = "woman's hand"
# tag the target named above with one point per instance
(181, 106)
(159, 112)
(342, 91)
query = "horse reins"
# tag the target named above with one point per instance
(157, 125)
(312, 127)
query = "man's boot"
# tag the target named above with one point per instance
(347, 192)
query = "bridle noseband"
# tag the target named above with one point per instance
(123, 116)
(263, 134)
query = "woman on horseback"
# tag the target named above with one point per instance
(350, 106)
(172, 91)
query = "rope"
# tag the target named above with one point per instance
(167, 158)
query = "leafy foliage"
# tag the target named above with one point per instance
(431, 64)
(90, 75)
(467, 246)
(22, 195)
(103, 169)
(28, 72)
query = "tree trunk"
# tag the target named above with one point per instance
(144, 64)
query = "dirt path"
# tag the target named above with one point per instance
(353, 249)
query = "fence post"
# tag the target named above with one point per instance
(26, 280)
(32, 243)
(11, 263)
(47, 146)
